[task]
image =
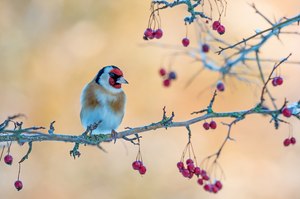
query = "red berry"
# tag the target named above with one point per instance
(293, 140)
(197, 171)
(148, 33)
(136, 165)
(158, 33)
(274, 82)
(220, 86)
(191, 167)
(18, 185)
(219, 185)
(191, 175)
(203, 173)
(287, 142)
(279, 81)
(151, 36)
(172, 75)
(286, 112)
(206, 125)
(142, 170)
(189, 161)
(8, 159)
(162, 72)
(215, 25)
(185, 173)
(205, 48)
(221, 29)
(180, 165)
(215, 189)
(205, 177)
(213, 125)
(167, 82)
(200, 181)
(185, 42)
(207, 187)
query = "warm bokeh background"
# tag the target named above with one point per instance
(50, 49)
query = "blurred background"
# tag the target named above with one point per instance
(50, 49)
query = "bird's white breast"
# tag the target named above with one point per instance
(110, 120)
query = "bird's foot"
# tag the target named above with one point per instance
(114, 135)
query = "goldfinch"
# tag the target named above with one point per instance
(103, 100)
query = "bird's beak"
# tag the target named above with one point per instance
(121, 80)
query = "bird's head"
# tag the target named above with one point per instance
(111, 78)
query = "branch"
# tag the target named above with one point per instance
(191, 8)
(29, 135)
(238, 62)
(272, 29)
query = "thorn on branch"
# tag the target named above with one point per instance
(262, 99)
(276, 121)
(209, 107)
(2, 153)
(25, 157)
(51, 129)
(36, 128)
(198, 112)
(166, 121)
(18, 125)
(189, 133)
(99, 147)
(131, 140)
(16, 116)
(90, 128)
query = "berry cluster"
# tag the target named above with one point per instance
(189, 169)
(211, 125)
(154, 27)
(213, 187)
(139, 165)
(277, 81)
(8, 159)
(289, 141)
(218, 27)
(151, 34)
(167, 76)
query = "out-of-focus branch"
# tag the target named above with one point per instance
(239, 60)
(273, 30)
(191, 8)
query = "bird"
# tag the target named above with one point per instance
(103, 101)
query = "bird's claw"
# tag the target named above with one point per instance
(114, 135)
(74, 152)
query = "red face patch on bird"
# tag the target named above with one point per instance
(113, 83)
(117, 72)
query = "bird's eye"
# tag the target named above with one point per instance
(113, 75)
